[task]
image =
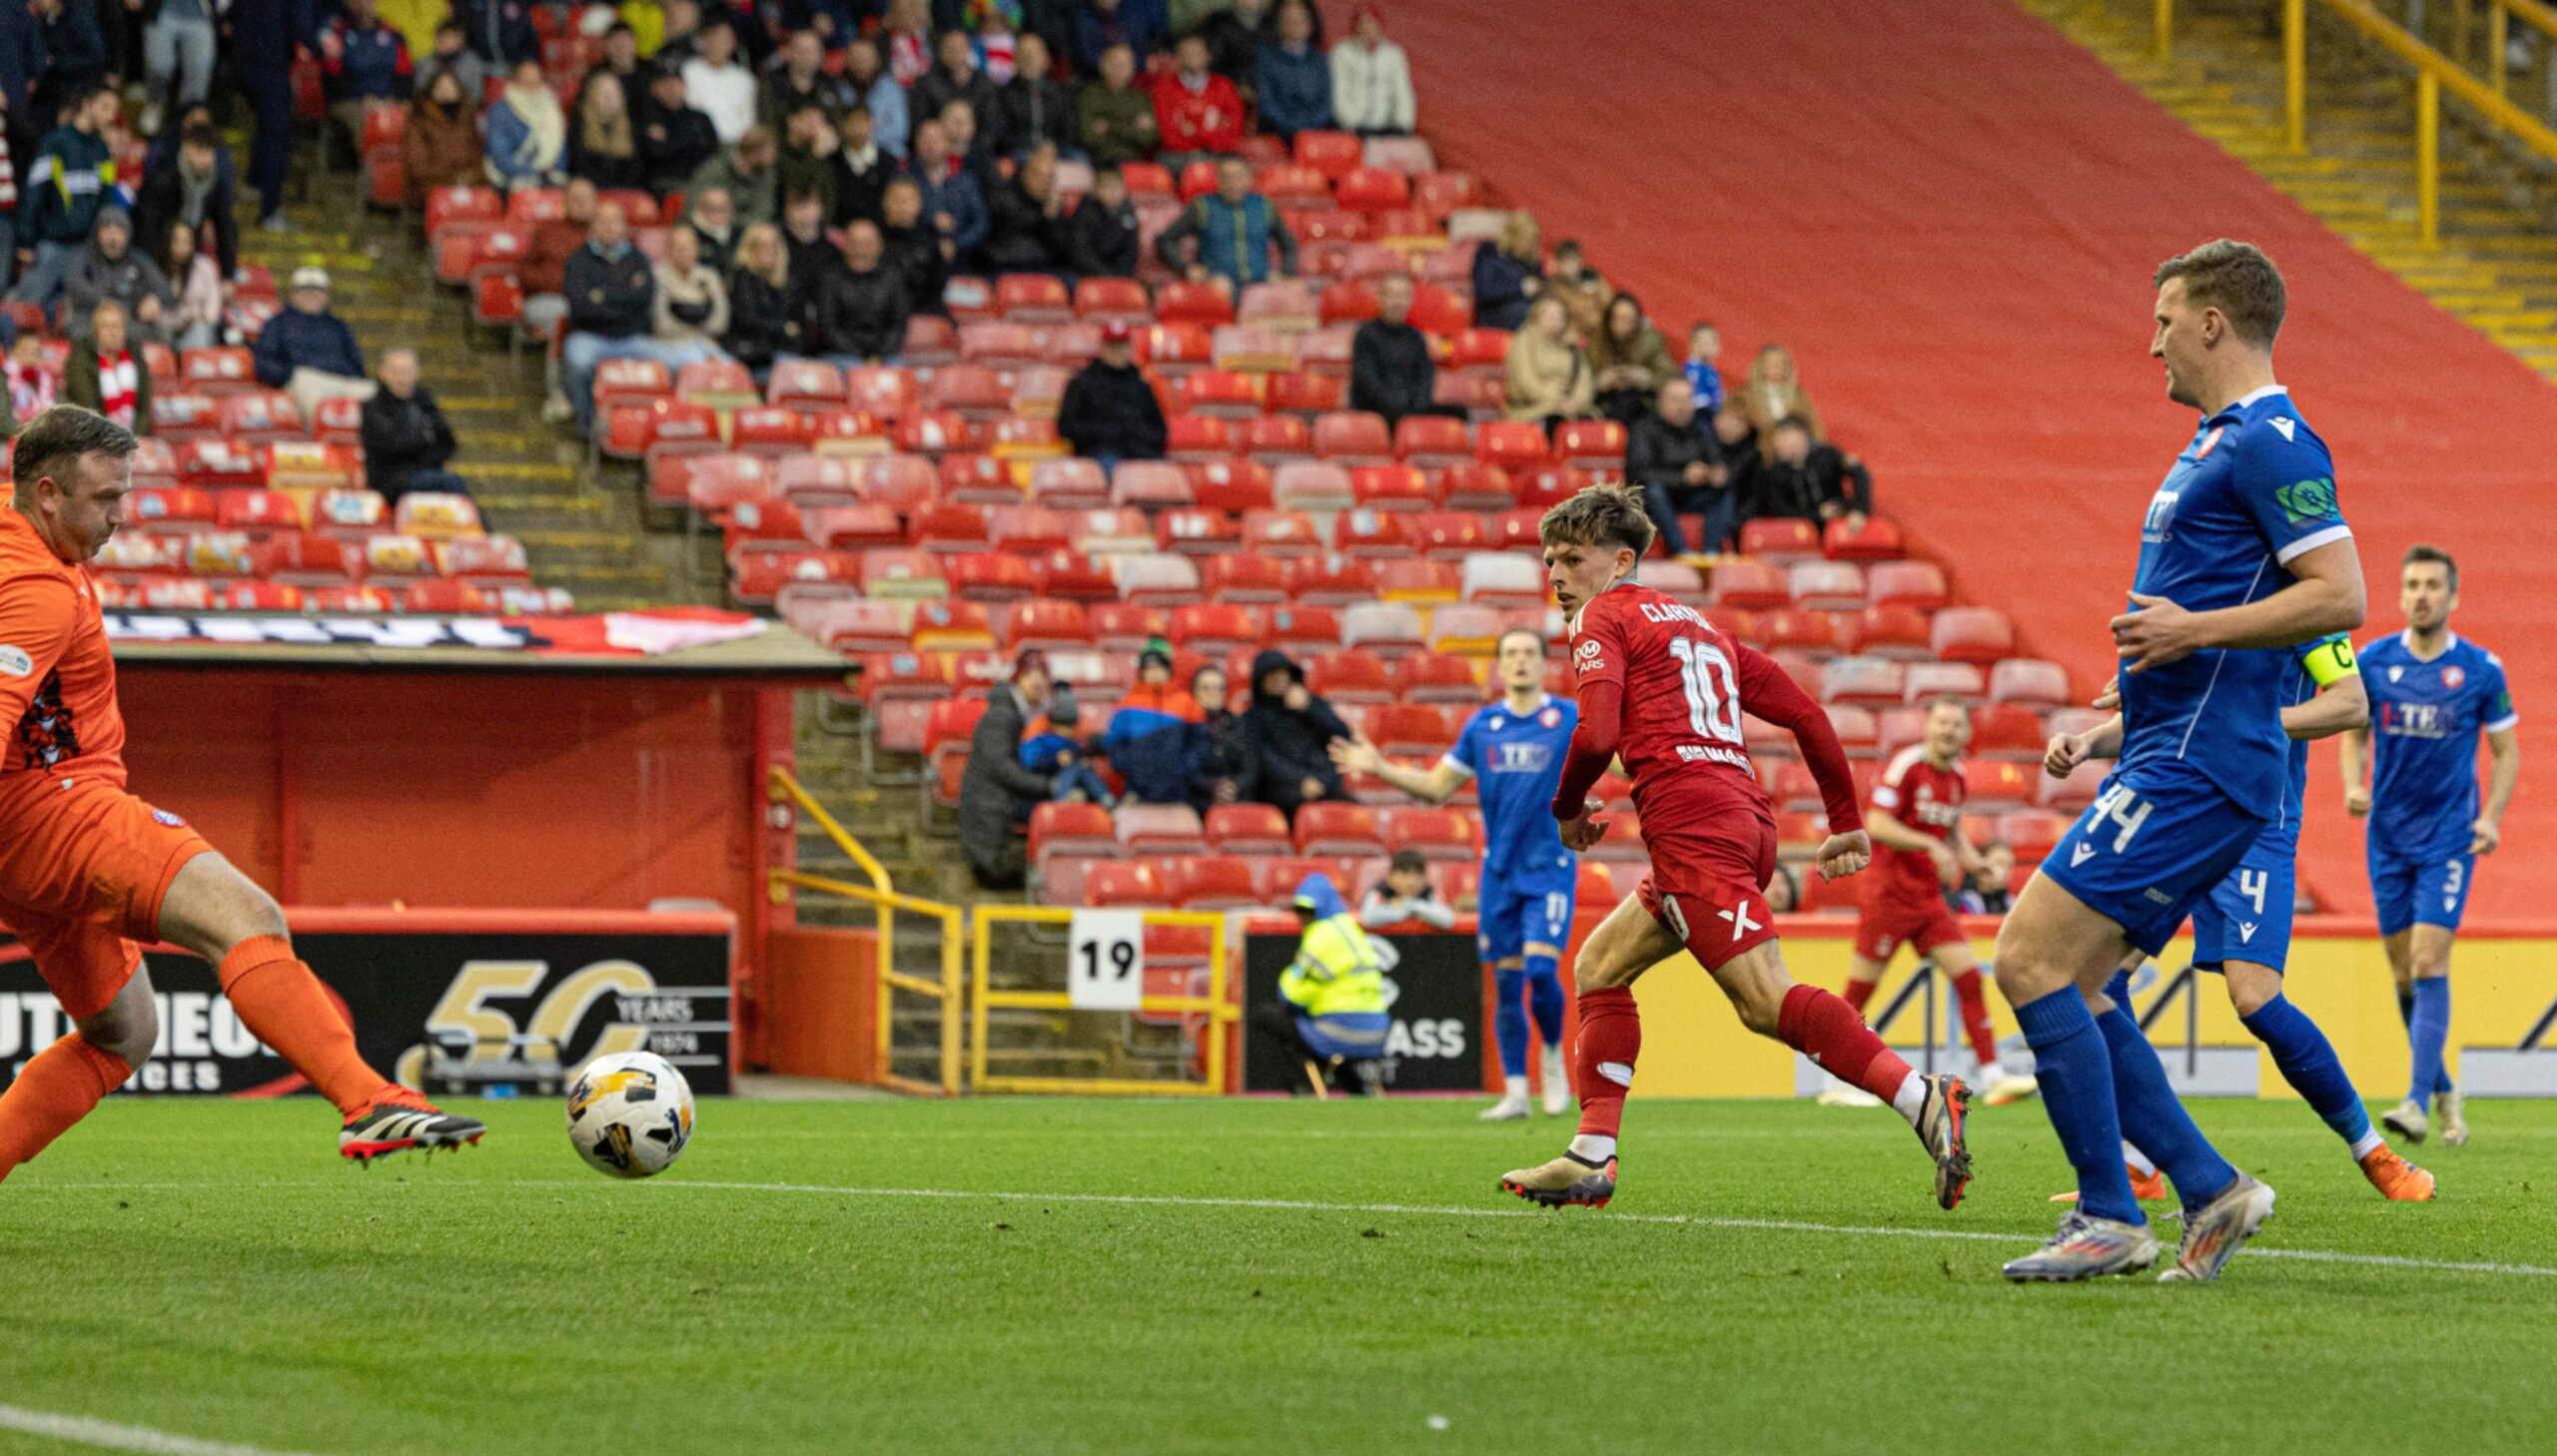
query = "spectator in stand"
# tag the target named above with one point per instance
(956, 77)
(749, 173)
(1704, 367)
(1197, 113)
(269, 28)
(1371, 80)
(862, 304)
(75, 53)
(1293, 79)
(70, 177)
(1056, 752)
(1110, 413)
(720, 84)
(1101, 24)
(500, 31)
(1234, 35)
(1509, 273)
(527, 133)
(543, 271)
(680, 33)
(996, 791)
(30, 382)
(363, 67)
(1583, 292)
(1772, 391)
(309, 352)
(1228, 773)
(1549, 378)
(453, 53)
(406, 441)
(692, 299)
(611, 311)
(951, 201)
(801, 81)
(1988, 893)
(998, 38)
(915, 249)
(1035, 106)
(1117, 118)
(1672, 458)
(803, 235)
(675, 140)
(974, 153)
(177, 59)
(1630, 360)
(873, 87)
(1102, 239)
(1157, 739)
(859, 170)
(1229, 233)
(1026, 219)
(604, 145)
(1799, 478)
(764, 315)
(1390, 371)
(1782, 891)
(107, 375)
(203, 289)
(1405, 897)
(806, 165)
(905, 33)
(1291, 732)
(712, 221)
(439, 147)
(191, 187)
(112, 268)
(620, 62)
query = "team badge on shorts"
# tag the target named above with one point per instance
(169, 818)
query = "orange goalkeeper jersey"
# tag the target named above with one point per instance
(57, 679)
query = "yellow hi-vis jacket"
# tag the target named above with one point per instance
(1336, 971)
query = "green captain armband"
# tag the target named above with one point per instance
(2329, 660)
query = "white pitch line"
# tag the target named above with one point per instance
(82, 1430)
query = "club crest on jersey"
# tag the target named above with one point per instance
(163, 816)
(2211, 442)
(1551, 718)
(2452, 677)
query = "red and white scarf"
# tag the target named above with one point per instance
(116, 388)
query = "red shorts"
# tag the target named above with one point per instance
(1710, 889)
(83, 867)
(1881, 925)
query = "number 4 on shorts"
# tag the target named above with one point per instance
(2123, 808)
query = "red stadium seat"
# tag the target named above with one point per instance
(1749, 584)
(1927, 681)
(1248, 829)
(1871, 682)
(1890, 632)
(1053, 625)
(1381, 537)
(2028, 680)
(1236, 577)
(1333, 154)
(1812, 632)
(1781, 541)
(1412, 728)
(1513, 445)
(1350, 677)
(1591, 443)
(1918, 585)
(1353, 438)
(1437, 834)
(1441, 678)
(1993, 786)
(1160, 829)
(1314, 629)
(1211, 881)
(1282, 533)
(2031, 833)
(1101, 299)
(1433, 442)
(1389, 487)
(1337, 829)
(1877, 540)
(1450, 536)
(1335, 582)
(1214, 627)
(2004, 730)
(1973, 634)
(1231, 484)
(1275, 439)
(1304, 394)
(1124, 885)
(1070, 829)
(1189, 302)
(1126, 626)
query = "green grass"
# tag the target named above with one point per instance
(206, 1268)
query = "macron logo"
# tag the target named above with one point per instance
(2246, 932)
(2285, 424)
(2078, 855)
(1741, 924)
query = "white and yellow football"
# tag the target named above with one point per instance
(630, 1114)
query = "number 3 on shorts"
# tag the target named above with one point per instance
(2122, 807)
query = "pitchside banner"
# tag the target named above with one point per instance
(1434, 996)
(444, 1008)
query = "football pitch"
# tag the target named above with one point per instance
(1084, 1277)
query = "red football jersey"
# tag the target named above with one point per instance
(1684, 686)
(1928, 799)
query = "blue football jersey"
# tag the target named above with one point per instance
(1516, 765)
(2254, 491)
(2424, 722)
(2307, 667)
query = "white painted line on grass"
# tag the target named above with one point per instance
(81, 1431)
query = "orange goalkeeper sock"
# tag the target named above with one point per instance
(57, 1089)
(285, 1005)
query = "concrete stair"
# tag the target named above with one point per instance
(2496, 264)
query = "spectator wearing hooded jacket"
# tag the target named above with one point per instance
(1331, 1013)
(1293, 79)
(1291, 730)
(1157, 738)
(112, 268)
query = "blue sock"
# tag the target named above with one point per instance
(1544, 996)
(2117, 990)
(1509, 1025)
(2077, 1076)
(2427, 1030)
(2154, 1120)
(2309, 1063)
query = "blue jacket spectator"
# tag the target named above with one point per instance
(527, 133)
(1157, 738)
(298, 339)
(1058, 754)
(876, 89)
(948, 190)
(1292, 77)
(1508, 275)
(373, 58)
(69, 179)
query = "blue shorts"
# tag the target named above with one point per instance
(2247, 917)
(2422, 890)
(1510, 918)
(2158, 839)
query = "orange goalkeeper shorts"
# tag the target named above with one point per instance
(83, 867)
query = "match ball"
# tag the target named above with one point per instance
(629, 1115)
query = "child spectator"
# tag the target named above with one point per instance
(1782, 893)
(1704, 367)
(1583, 292)
(1230, 771)
(1057, 753)
(1405, 897)
(30, 387)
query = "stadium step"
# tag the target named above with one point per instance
(2497, 264)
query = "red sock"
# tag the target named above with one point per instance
(56, 1088)
(1829, 1032)
(1974, 1017)
(1603, 1056)
(285, 1006)
(1858, 993)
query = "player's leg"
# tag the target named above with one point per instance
(2428, 1031)
(1497, 941)
(213, 911)
(98, 979)
(1629, 942)
(1876, 942)
(2047, 948)
(1547, 924)
(2148, 1184)
(2307, 1060)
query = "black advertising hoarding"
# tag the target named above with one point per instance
(495, 996)
(1434, 996)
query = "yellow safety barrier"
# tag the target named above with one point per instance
(1215, 1015)
(884, 901)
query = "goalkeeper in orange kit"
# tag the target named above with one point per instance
(87, 870)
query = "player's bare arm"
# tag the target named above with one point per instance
(2326, 596)
(2504, 745)
(2340, 708)
(2068, 750)
(2356, 755)
(1435, 784)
